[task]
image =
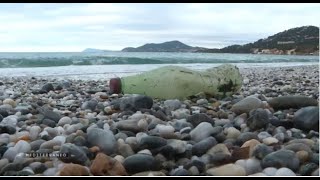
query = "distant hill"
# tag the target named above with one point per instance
(300, 40)
(92, 50)
(170, 46)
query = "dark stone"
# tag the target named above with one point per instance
(295, 147)
(49, 123)
(261, 150)
(125, 113)
(285, 123)
(220, 159)
(129, 133)
(136, 103)
(178, 125)
(1, 117)
(35, 145)
(158, 114)
(281, 158)
(7, 129)
(23, 110)
(11, 167)
(287, 102)
(216, 131)
(307, 169)
(24, 173)
(168, 152)
(151, 142)
(22, 118)
(203, 146)
(315, 158)
(47, 87)
(180, 172)
(39, 169)
(75, 154)
(221, 137)
(92, 104)
(258, 118)
(307, 118)
(240, 153)
(80, 141)
(4, 113)
(10, 173)
(139, 163)
(196, 119)
(3, 149)
(47, 113)
(280, 83)
(246, 136)
(199, 164)
(58, 87)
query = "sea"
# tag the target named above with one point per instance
(105, 65)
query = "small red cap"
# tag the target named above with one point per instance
(115, 85)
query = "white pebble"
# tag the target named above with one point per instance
(285, 172)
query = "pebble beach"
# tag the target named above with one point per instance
(54, 127)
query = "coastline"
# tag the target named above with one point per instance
(171, 137)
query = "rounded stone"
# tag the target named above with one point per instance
(203, 146)
(258, 118)
(202, 131)
(196, 119)
(104, 165)
(64, 120)
(151, 142)
(74, 154)
(307, 169)
(140, 163)
(73, 170)
(270, 140)
(251, 144)
(307, 118)
(281, 158)
(104, 139)
(284, 172)
(270, 171)
(233, 133)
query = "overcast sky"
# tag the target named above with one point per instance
(74, 27)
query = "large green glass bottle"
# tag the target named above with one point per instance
(171, 82)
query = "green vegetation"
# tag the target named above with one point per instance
(303, 40)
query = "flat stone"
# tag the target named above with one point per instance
(227, 170)
(287, 102)
(246, 105)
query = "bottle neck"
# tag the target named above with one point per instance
(115, 85)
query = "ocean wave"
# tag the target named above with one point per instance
(115, 60)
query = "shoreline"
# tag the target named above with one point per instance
(109, 71)
(75, 126)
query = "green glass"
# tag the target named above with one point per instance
(171, 82)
